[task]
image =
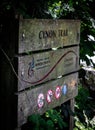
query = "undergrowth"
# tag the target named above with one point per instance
(84, 110)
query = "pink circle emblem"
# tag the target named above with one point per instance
(58, 92)
(49, 96)
(40, 100)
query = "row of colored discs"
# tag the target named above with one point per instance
(50, 94)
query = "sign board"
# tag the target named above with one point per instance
(40, 67)
(44, 34)
(46, 96)
(48, 61)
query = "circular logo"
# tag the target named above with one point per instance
(49, 96)
(57, 92)
(40, 100)
(64, 89)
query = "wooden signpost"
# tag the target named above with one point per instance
(48, 63)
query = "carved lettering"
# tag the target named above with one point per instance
(62, 33)
(53, 33)
(47, 34)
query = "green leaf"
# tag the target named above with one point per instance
(50, 125)
(80, 125)
(33, 118)
(75, 128)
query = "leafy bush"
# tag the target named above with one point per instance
(84, 114)
(51, 120)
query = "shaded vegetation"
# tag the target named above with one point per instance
(84, 110)
(54, 119)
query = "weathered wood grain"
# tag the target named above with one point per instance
(40, 34)
(40, 67)
(28, 100)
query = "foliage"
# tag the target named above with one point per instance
(84, 114)
(89, 124)
(78, 10)
(51, 120)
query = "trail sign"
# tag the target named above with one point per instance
(48, 63)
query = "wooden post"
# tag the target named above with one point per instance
(71, 117)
